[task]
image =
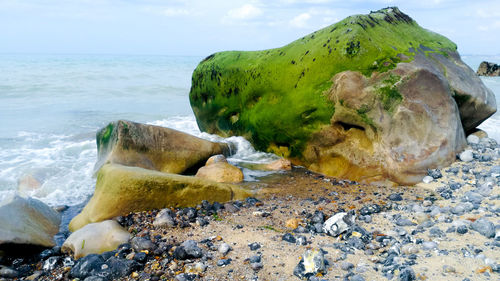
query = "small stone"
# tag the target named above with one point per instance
(356, 277)
(230, 207)
(429, 245)
(409, 249)
(395, 197)
(427, 179)
(292, 223)
(261, 214)
(404, 222)
(185, 277)
(472, 139)
(462, 229)
(406, 274)
(466, 156)
(484, 227)
(141, 244)
(140, 257)
(312, 263)
(224, 248)
(51, 263)
(192, 249)
(223, 262)
(200, 267)
(346, 266)
(301, 240)
(254, 246)
(339, 223)
(164, 219)
(288, 237)
(256, 266)
(434, 173)
(201, 221)
(449, 269)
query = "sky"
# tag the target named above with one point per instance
(202, 27)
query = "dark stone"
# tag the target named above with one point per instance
(121, 267)
(395, 197)
(86, 266)
(141, 244)
(140, 257)
(254, 259)
(288, 237)
(254, 246)
(462, 229)
(484, 227)
(223, 262)
(406, 274)
(434, 173)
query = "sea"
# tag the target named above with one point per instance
(52, 105)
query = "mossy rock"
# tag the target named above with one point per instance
(121, 190)
(153, 147)
(327, 100)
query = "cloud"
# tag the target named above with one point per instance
(300, 21)
(245, 12)
(172, 12)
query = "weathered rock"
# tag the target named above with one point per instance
(95, 238)
(466, 155)
(221, 172)
(153, 147)
(385, 99)
(312, 263)
(216, 159)
(339, 223)
(27, 221)
(488, 69)
(121, 190)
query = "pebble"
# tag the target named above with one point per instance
(288, 237)
(141, 244)
(427, 179)
(429, 245)
(406, 274)
(339, 223)
(224, 248)
(395, 197)
(404, 222)
(164, 218)
(466, 156)
(254, 246)
(312, 263)
(409, 249)
(346, 266)
(223, 262)
(462, 229)
(230, 207)
(292, 223)
(256, 266)
(484, 227)
(472, 139)
(356, 277)
(301, 240)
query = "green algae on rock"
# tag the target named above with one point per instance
(334, 100)
(153, 147)
(121, 190)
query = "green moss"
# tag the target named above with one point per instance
(276, 97)
(104, 136)
(389, 94)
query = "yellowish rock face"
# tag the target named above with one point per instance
(221, 172)
(121, 190)
(95, 238)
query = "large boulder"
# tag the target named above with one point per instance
(153, 147)
(122, 189)
(370, 98)
(95, 238)
(27, 221)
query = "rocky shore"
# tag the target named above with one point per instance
(447, 228)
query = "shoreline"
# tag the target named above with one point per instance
(425, 232)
